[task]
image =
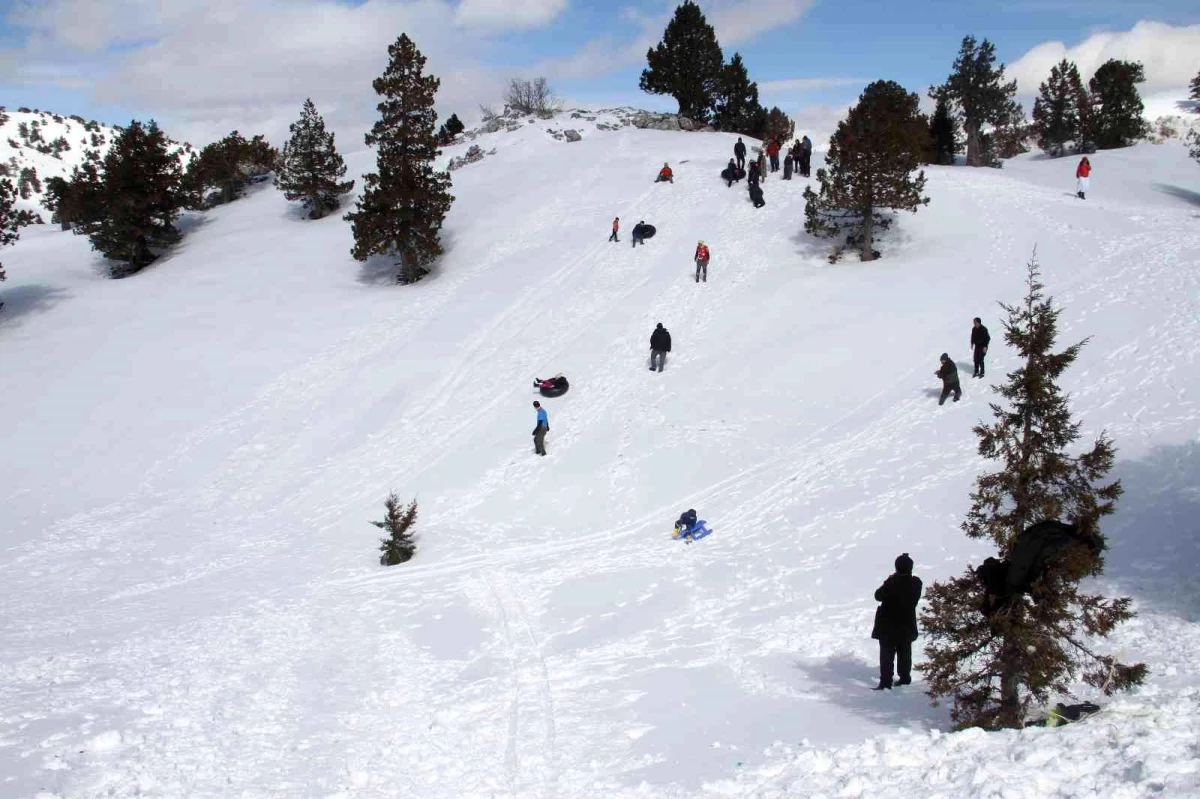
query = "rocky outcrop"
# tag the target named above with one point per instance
(474, 154)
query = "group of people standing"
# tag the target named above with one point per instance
(798, 159)
(948, 370)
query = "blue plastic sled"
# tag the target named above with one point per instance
(694, 533)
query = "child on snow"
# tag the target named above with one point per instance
(1082, 173)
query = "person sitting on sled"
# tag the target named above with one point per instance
(686, 523)
(665, 174)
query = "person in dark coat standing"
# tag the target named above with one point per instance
(788, 163)
(739, 152)
(756, 195)
(896, 623)
(660, 345)
(980, 338)
(948, 372)
(752, 174)
(638, 229)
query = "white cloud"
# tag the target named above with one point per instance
(1168, 53)
(796, 85)
(508, 14)
(739, 21)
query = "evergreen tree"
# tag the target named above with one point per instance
(28, 183)
(737, 99)
(977, 88)
(943, 129)
(1118, 121)
(1194, 86)
(228, 164)
(310, 168)
(687, 63)
(399, 546)
(10, 219)
(56, 188)
(1193, 141)
(871, 158)
(995, 655)
(1056, 109)
(776, 125)
(449, 129)
(80, 201)
(404, 204)
(141, 196)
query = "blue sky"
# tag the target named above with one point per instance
(206, 66)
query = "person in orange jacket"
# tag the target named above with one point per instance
(701, 259)
(616, 227)
(773, 153)
(665, 174)
(1082, 173)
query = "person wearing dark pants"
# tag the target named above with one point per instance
(896, 623)
(543, 427)
(637, 233)
(616, 227)
(980, 339)
(701, 259)
(739, 152)
(948, 372)
(660, 345)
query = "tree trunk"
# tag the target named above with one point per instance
(974, 144)
(1010, 695)
(316, 211)
(866, 250)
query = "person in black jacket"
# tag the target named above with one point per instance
(948, 372)
(739, 152)
(896, 623)
(637, 233)
(752, 174)
(660, 345)
(980, 338)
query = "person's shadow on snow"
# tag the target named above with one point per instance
(846, 682)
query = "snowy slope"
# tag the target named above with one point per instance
(192, 602)
(19, 152)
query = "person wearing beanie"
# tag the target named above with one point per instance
(896, 623)
(660, 345)
(948, 372)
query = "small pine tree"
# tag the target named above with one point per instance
(405, 202)
(993, 660)
(1195, 87)
(399, 546)
(776, 125)
(56, 188)
(310, 168)
(141, 196)
(1056, 109)
(977, 88)
(28, 183)
(737, 99)
(943, 129)
(10, 220)
(1193, 141)
(870, 163)
(449, 129)
(687, 63)
(1118, 118)
(228, 164)
(80, 201)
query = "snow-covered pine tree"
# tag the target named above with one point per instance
(10, 220)
(1118, 118)
(398, 521)
(871, 158)
(1056, 109)
(1194, 86)
(686, 64)
(994, 656)
(737, 99)
(310, 168)
(977, 88)
(944, 129)
(28, 183)
(404, 203)
(141, 196)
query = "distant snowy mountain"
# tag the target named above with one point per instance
(36, 145)
(192, 601)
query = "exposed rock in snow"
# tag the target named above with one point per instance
(474, 154)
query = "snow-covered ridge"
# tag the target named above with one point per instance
(37, 145)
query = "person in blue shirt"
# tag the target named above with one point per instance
(543, 427)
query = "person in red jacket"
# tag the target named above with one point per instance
(1082, 173)
(701, 259)
(773, 153)
(616, 227)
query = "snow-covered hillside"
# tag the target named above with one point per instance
(192, 601)
(51, 145)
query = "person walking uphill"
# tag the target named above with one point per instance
(616, 227)
(948, 372)
(543, 427)
(1083, 173)
(701, 259)
(739, 152)
(980, 339)
(896, 623)
(660, 345)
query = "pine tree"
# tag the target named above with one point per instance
(449, 129)
(943, 129)
(310, 168)
(399, 546)
(737, 99)
(977, 88)
(1195, 87)
(1193, 141)
(1118, 120)
(28, 183)
(80, 201)
(687, 63)
(10, 220)
(404, 204)
(228, 164)
(141, 196)
(1056, 109)
(994, 656)
(776, 125)
(870, 163)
